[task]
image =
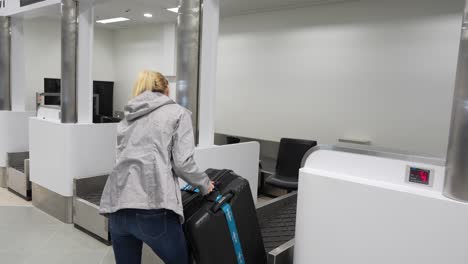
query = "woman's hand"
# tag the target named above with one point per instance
(211, 187)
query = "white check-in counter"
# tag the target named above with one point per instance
(369, 206)
(60, 153)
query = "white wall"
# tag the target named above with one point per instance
(149, 47)
(43, 49)
(382, 70)
(42, 54)
(103, 61)
(118, 55)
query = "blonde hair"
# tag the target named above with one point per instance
(150, 81)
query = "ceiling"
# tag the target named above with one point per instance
(242, 7)
(134, 9)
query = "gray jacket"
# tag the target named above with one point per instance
(155, 144)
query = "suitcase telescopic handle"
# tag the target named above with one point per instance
(222, 200)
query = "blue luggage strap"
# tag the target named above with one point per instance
(226, 207)
(189, 187)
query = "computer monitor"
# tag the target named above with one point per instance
(105, 90)
(52, 86)
(103, 99)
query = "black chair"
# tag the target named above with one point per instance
(290, 154)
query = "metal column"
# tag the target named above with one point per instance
(69, 59)
(456, 178)
(188, 50)
(5, 62)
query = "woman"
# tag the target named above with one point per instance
(155, 145)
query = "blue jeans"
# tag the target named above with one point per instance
(159, 229)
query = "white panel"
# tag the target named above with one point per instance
(103, 55)
(378, 70)
(242, 158)
(40, 33)
(208, 70)
(49, 113)
(47, 153)
(94, 150)
(18, 67)
(61, 152)
(85, 62)
(13, 133)
(169, 49)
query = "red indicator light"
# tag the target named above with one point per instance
(423, 175)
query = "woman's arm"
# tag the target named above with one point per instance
(183, 150)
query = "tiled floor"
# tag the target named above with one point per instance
(29, 236)
(9, 199)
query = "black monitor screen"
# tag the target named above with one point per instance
(52, 86)
(104, 90)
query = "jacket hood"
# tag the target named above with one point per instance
(144, 104)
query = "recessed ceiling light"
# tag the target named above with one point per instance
(148, 15)
(112, 20)
(174, 9)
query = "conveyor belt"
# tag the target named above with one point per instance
(19, 168)
(276, 230)
(279, 228)
(94, 197)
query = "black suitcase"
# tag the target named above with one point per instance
(206, 226)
